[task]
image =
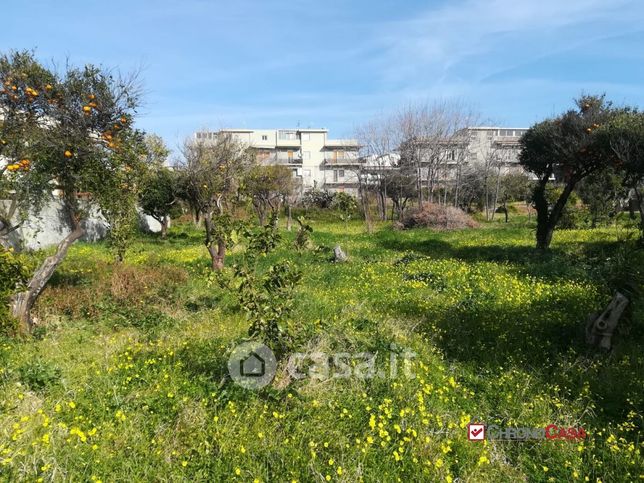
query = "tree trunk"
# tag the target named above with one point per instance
(164, 227)
(640, 204)
(23, 302)
(546, 221)
(365, 207)
(219, 256)
(496, 192)
(289, 219)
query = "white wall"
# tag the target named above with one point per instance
(50, 227)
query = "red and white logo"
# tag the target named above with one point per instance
(476, 432)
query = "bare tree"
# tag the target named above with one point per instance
(433, 138)
(211, 172)
(378, 141)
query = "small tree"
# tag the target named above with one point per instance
(623, 140)
(566, 148)
(159, 196)
(268, 186)
(345, 204)
(514, 187)
(401, 187)
(120, 211)
(63, 133)
(211, 176)
(602, 193)
(160, 189)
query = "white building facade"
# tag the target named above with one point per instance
(315, 160)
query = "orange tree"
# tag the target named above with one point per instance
(210, 177)
(61, 136)
(565, 149)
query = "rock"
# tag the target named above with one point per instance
(338, 255)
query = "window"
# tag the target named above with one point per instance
(306, 154)
(335, 175)
(287, 135)
(294, 171)
(289, 154)
(307, 173)
(306, 136)
(341, 173)
(264, 137)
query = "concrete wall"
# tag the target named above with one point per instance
(50, 227)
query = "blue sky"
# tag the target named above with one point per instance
(335, 64)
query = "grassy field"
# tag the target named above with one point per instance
(123, 378)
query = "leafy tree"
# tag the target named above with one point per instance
(160, 190)
(159, 196)
(303, 236)
(61, 132)
(211, 176)
(267, 186)
(121, 211)
(345, 204)
(602, 193)
(317, 198)
(567, 149)
(400, 188)
(513, 187)
(267, 297)
(623, 139)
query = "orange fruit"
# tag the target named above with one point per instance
(68, 154)
(87, 109)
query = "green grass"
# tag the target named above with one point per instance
(123, 379)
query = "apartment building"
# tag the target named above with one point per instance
(315, 160)
(331, 164)
(500, 145)
(442, 159)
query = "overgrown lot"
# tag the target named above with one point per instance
(124, 377)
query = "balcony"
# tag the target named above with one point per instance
(288, 138)
(342, 143)
(283, 159)
(342, 161)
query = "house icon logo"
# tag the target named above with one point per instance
(252, 365)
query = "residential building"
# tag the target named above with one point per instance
(315, 160)
(332, 164)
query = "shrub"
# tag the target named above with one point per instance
(317, 198)
(131, 284)
(437, 217)
(13, 273)
(38, 374)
